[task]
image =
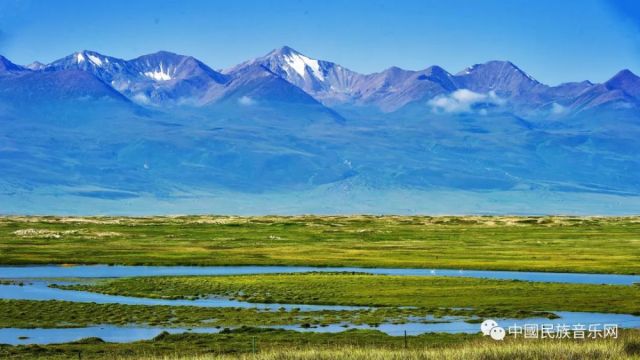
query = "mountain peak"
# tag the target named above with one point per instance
(87, 52)
(285, 50)
(503, 77)
(82, 59)
(394, 69)
(495, 66)
(626, 81)
(162, 55)
(437, 71)
(287, 62)
(625, 74)
(36, 65)
(164, 66)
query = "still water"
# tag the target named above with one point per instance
(106, 271)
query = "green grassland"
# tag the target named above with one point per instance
(504, 296)
(570, 244)
(349, 345)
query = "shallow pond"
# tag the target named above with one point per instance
(105, 271)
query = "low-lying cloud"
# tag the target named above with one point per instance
(463, 100)
(557, 109)
(141, 99)
(246, 101)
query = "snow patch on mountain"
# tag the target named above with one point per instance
(299, 63)
(94, 59)
(158, 75)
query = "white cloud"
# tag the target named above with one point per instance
(557, 109)
(246, 101)
(462, 101)
(141, 98)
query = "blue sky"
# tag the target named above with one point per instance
(554, 41)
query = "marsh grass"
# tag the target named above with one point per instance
(55, 314)
(503, 298)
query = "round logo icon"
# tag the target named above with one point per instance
(487, 325)
(497, 333)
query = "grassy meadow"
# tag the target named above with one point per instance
(559, 244)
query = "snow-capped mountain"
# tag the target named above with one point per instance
(96, 129)
(167, 66)
(36, 66)
(255, 83)
(166, 76)
(326, 81)
(285, 75)
(333, 84)
(395, 88)
(168, 79)
(158, 78)
(36, 86)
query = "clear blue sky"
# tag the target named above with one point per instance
(553, 40)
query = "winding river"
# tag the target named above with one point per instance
(37, 279)
(106, 271)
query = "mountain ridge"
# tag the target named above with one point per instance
(166, 78)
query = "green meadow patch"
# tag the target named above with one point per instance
(502, 296)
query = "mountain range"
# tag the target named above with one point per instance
(287, 133)
(168, 79)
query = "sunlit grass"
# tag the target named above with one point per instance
(602, 245)
(352, 345)
(610, 350)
